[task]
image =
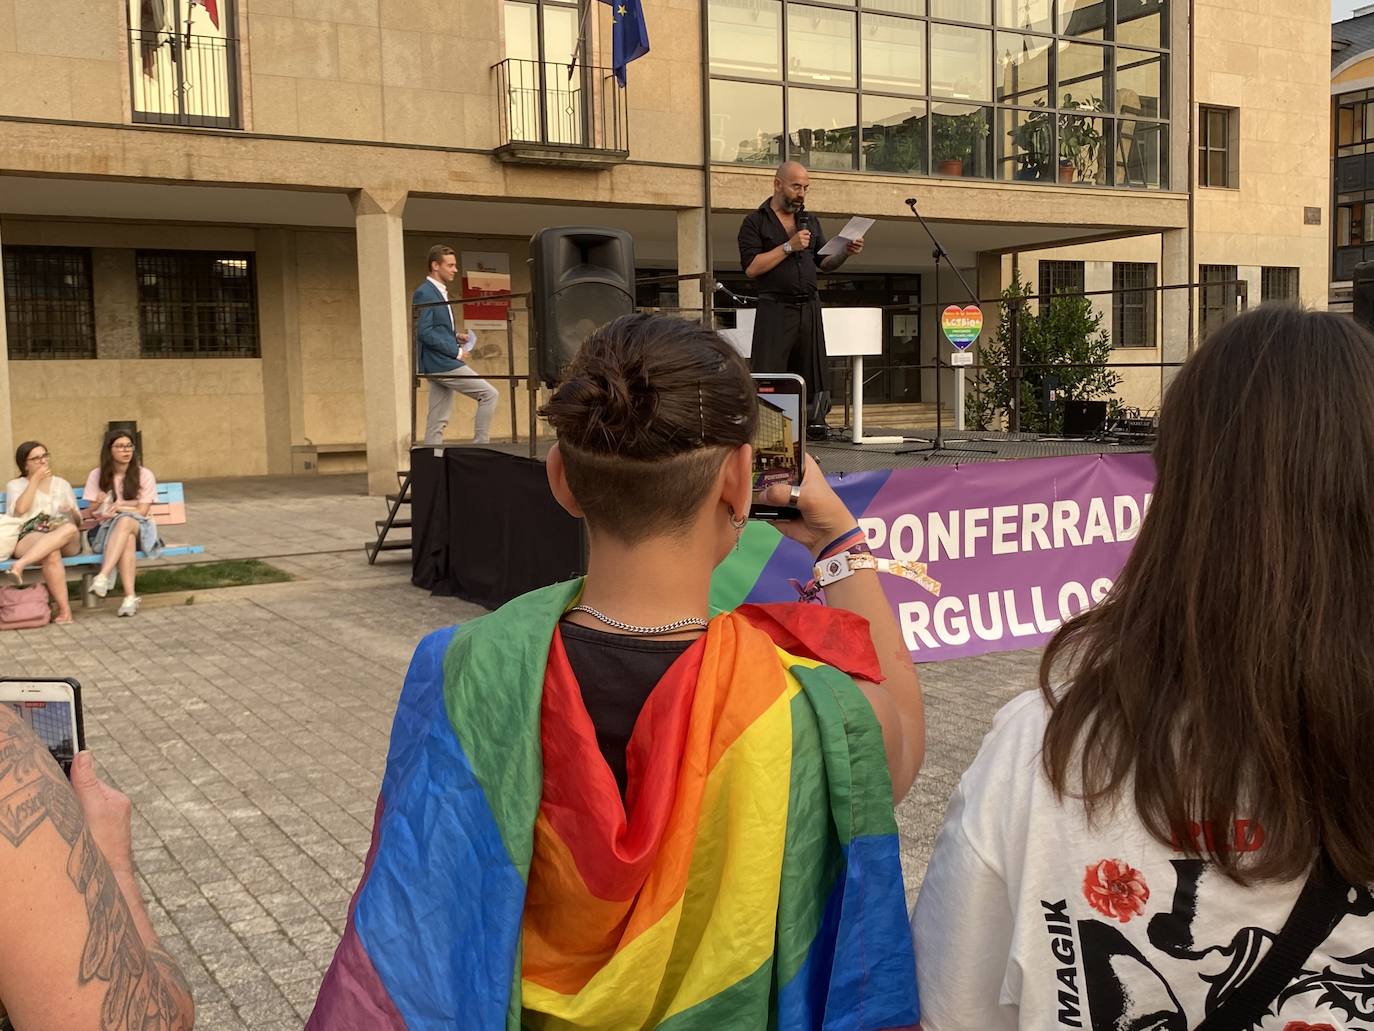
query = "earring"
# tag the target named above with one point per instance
(736, 522)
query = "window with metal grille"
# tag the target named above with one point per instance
(1133, 304)
(48, 307)
(1278, 284)
(1060, 277)
(197, 304)
(1217, 159)
(1219, 295)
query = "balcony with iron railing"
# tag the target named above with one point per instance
(551, 113)
(178, 78)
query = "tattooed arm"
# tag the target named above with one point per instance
(78, 950)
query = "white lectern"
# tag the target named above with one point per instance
(849, 332)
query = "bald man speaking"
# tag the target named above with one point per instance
(779, 248)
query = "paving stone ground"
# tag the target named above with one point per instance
(249, 727)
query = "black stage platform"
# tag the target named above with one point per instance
(485, 527)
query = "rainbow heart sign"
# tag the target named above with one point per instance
(962, 325)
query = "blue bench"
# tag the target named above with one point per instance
(168, 510)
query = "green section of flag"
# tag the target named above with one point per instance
(494, 684)
(811, 861)
(736, 1006)
(735, 577)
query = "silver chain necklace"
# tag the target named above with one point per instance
(642, 631)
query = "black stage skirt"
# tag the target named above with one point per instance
(789, 336)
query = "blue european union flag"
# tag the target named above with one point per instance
(629, 34)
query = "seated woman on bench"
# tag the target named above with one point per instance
(48, 507)
(121, 493)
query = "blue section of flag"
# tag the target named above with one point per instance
(629, 34)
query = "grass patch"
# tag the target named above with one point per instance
(203, 576)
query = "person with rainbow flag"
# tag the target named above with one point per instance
(605, 808)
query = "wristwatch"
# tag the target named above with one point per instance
(787, 247)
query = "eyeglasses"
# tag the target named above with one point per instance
(121, 447)
(39, 458)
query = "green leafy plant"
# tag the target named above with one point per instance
(958, 137)
(1080, 140)
(901, 150)
(1065, 339)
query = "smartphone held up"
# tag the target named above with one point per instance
(52, 710)
(779, 441)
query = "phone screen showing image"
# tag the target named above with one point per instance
(778, 447)
(53, 723)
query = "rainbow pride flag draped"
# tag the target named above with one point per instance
(750, 879)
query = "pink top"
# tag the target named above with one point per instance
(147, 488)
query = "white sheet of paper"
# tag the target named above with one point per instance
(469, 342)
(854, 230)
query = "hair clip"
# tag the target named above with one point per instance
(701, 412)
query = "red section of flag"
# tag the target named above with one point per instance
(212, 9)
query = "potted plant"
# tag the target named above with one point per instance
(895, 149)
(955, 137)
(1080, 140)
(1033, 141)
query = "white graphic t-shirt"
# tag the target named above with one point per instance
(1030, 918)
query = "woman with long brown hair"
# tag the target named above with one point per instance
(1179, 826)
(121, 493)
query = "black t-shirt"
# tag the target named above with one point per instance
(761, 231)
(616, 674)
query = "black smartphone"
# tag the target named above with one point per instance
(779, 441)
(51, 706)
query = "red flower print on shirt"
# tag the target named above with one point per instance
(1302, 1025)
(1115, 889)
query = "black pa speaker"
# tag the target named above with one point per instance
(1084, 418)
(1363, 280)
(581, 278)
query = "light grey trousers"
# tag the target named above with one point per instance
(441, 391)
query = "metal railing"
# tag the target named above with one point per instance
(576, 107)
(177, 78)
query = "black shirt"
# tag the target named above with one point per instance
(762, 231)
(616, 675)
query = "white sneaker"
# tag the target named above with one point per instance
(100, 585)
(129, 606)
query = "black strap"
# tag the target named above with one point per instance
(1319, 908)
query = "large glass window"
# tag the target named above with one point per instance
(825, 133)
(1033, 90)
(746, 38)
(894, 135)
(1279, 283)
(1218, 164)
(959, 62)
(1354, 183)
(1058, 277)
(820, 45)
(48, 302)
(1219, 296)
(1032, 15)
(184, 63)
(546, 96)
(1133, 303)
(746, 122)
(197, 304)
(894, 54)
(1023, 69)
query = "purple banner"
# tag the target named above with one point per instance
(1016, 547)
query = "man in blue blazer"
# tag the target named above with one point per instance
(439, 353)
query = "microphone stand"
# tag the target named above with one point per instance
(938, 442)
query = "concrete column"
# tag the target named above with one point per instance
(114, 292)
(384, 316)
(6, 406)
(1176, 330)
(691, 257)
(280, 335)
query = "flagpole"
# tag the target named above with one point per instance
(581, 36)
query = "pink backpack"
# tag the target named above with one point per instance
(22, 608)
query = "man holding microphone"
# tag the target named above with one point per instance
(779, 248)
